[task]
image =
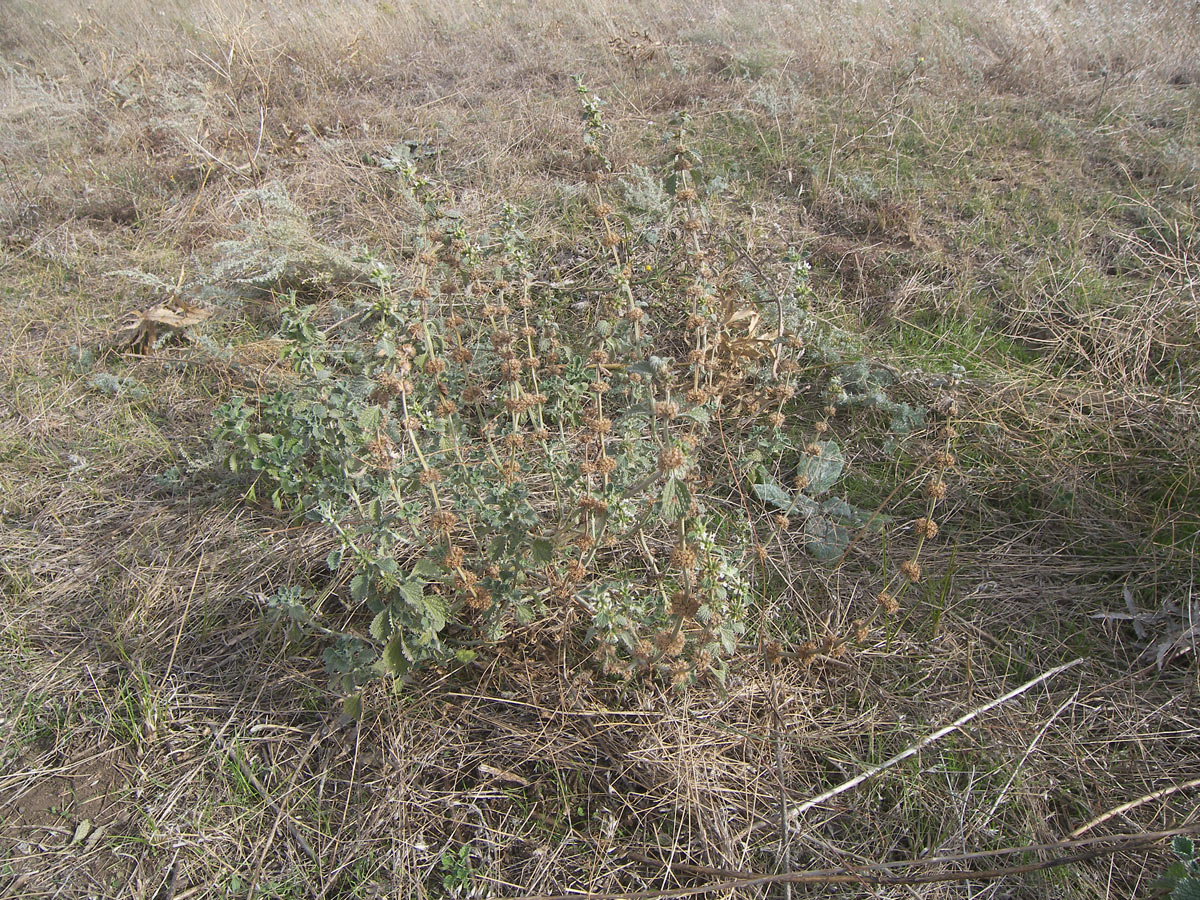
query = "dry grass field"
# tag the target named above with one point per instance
(1008, 188)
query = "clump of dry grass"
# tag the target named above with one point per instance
(139, 687)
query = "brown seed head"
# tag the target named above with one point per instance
(943, 460)
(807, 653)
(772, 653)
(643, 650)
(387, 386)
(671, 460)
(926, 528)
(670, 642)
(888, 603)
(946, 405)
(510, 369)
(598, 425)
(454, 558)
(443, 520)
(382, 453)
(684, 557)
(588, 503)
(681, 673)
(478, 598)
(684, 605)
(666, 409)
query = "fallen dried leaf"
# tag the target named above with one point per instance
(142, 330)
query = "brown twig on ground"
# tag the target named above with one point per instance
(1125, 843)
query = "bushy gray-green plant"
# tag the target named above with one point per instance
(486, 459)
(277, 249)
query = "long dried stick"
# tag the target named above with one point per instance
(1133, 804)
(925, 742)
(877, 874)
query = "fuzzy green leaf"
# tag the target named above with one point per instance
(805, 506)
(773, 495)
(395, 658)
(823, 469)
(1183, 847)
(436, 611)
(381, 626)
(413, 593)
(825, 539)
(427, 569)
(854, 516)
(1166, 882)
(674, 499)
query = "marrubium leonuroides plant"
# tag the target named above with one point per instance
(499, 449)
